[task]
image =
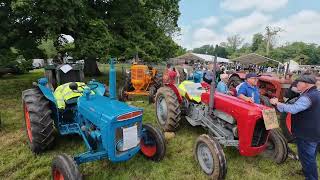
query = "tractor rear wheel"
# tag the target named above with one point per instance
(265, 101)
(153, 145)
(168, 109)
(65, 168)
(38, 121)
(152, 94)
(122, 96)
(210, 156)
(277, 147)
(157, 82)
(234, 81)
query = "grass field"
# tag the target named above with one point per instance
(17, 161)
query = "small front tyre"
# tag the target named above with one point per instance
(210, 156)
(277, 147)
(65, 168)
(152, 143)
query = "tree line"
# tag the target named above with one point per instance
(303, 53)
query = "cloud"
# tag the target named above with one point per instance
(262, 5)
(248, 24)
(204, 36)
(303, 26)
(209, 21)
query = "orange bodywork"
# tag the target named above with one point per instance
(141, 78)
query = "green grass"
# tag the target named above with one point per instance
(17, 161)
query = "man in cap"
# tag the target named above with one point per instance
(305, 123)
(248, 90)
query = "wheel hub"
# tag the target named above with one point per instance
(28, 123)
(205, 158)
(162, 110)
(57, 175)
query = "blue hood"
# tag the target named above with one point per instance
(101, 105)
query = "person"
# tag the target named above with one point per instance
(222, 85)
(169, 76)
(249, 91)
(305, 123)
(318, 83)
(208, 75)
(292, 91)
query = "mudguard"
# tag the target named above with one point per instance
(46, 91)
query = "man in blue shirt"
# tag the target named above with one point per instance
(305, 123)
(249, 91)
(222, 85)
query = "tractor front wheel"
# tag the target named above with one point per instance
(168, 109)
(152, 143)
(277, 147)
(38, 121)
(152, 94)
(65, 168)
(210, 156)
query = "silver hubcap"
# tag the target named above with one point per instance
(205, 158)
(162, 110)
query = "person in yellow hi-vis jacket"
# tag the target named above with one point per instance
(63, 93)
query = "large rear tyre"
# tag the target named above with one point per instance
(210, 156)
(277, 147)
(38, 121)
(152, 94)
(122, 96)
(65, 168)
(152, 143)
(168, 109)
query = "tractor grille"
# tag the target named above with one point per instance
(119, 136)
(138, 73)
(259, 135)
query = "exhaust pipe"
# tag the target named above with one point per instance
(112, 80)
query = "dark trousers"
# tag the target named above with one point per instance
(307, 151)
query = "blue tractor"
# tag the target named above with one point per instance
(110, 129)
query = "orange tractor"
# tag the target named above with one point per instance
(141, 80)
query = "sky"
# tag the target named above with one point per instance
(212, 21)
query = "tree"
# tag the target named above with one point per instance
(257, 42)
(233, 42)
(271, 33)
(120, 28)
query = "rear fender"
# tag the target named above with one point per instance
(176, 91)
(46, 91)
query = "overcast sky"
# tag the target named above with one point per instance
(212, 21)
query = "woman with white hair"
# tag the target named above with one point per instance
(222, 85)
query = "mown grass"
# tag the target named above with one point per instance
(17, 161)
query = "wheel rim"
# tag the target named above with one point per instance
(148, 150)
(57, 175)
(162, 110)
(205, 158)
(28, 123)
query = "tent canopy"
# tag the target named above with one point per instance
(253, 59)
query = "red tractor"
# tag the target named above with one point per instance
(230, 122)
(269, 86)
